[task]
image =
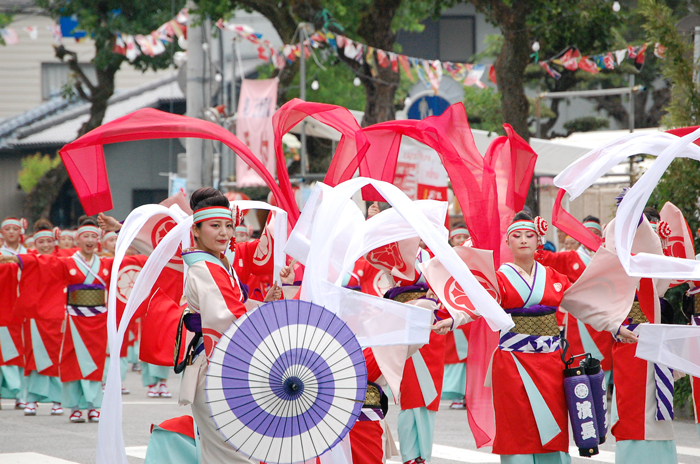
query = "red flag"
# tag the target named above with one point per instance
(563, 220)
(492, 74)
(119, 45)
(382, 58)
(586, 64)
(394, 62)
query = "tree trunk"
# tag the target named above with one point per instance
(511, 63)
(375, 28)
(99, 98)
(38, 203)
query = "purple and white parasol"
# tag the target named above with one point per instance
(286, 382)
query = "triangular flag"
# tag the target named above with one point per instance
(620, 55)
(370, 61)
(119, 46)
(403, 61)
(350, 51)
(32, 31)
(394, 62)
(382, 58)
(492, 74)
(659, 51)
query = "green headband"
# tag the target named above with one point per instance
(212, 212)
(593, 225)
(521, 225)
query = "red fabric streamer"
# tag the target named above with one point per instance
(85, 163)
(352, 146)
(564, 221)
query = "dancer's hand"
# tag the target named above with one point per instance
(373, 210)
(443, 326)
(108, 223)
(627, 336)
(9, 259)
(286, 275)
(275, 293)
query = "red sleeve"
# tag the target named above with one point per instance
(373, 371)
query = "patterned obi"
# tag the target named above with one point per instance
(372, 407)
(86, 300)
(535, 330)
(636, 315)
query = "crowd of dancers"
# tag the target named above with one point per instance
(53, 334)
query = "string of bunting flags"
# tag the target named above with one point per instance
(11, 37)
(571, 59)
(429, 72)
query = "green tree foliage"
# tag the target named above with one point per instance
(33, 168)
(101, 19)
(373, 22)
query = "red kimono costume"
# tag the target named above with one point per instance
(84, 342)
(527, 370)
(582, 337)
(11, 344)
(44, 308)
(253, 263)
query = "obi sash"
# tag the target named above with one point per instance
(372, 407)
(87, 299)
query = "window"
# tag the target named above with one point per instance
(451, 38)
(140, 197)
(56, 75)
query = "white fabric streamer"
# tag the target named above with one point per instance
(582, 173)
(333, 221)
(110, 437)
(632, 207)
(675, 346)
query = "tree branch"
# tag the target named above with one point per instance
(61, 53)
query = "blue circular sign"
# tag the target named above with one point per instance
(427, 105)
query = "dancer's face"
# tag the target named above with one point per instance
(87, 242)
(44, 245)
(523, 243)
(11, 235)
(214, 235)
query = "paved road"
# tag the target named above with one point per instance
(53, 440)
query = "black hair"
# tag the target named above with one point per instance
(206, 197)
(42, 224)
(590, 218)
(651, 214)
(459, 225)
(87, 221)
(522, 216)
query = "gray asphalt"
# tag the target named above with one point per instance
(75, 443)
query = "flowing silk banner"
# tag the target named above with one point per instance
(256, 106)
(85, 163)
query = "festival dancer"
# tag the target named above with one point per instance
(66, 240)
(582, 338)
(215, 296)
(43, 314)
(642, 405)
(84, 343)
(459, 235)
(12, 381)
(528, 357)
(421, 384)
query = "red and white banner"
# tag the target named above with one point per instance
(256, 106)
(419, 172)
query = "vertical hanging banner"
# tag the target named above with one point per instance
(419, 172)
(256, 106)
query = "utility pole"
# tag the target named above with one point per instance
(302, 95)
(199, 169)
